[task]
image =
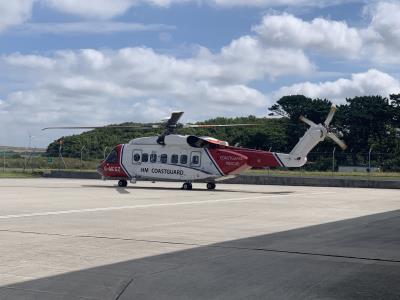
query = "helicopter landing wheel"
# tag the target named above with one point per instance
(211, 186)
(122, 183)
(187, 186)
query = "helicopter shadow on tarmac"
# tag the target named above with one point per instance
(125, 190)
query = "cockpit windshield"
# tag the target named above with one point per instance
(200, 142)
(197, 142)
(112, 158)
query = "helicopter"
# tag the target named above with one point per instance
(189, 158)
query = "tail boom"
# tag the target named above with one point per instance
(298, 156)
(265, 159)
(259, 158)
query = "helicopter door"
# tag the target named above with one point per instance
(137, 157)
(195, 159)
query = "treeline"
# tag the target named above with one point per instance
(370, 122)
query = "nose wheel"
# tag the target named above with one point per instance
(211, 186)
(187, 186)
(122, 183)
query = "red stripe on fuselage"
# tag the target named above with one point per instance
(258, 158)
(233, 160)
(229, 162)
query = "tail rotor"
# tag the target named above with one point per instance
(328, 131)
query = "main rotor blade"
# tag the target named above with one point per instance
(102, 127)
(307, 121)
(217, 125)
(173, 120)
(337, 140)
(330, 115)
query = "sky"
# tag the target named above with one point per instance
(97, 62)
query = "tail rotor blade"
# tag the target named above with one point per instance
(337, 140)
(330, 116)
(307, 121)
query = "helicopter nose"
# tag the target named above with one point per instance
(100, 170)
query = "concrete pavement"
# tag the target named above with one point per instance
(80, 239)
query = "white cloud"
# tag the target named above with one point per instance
(320, 34)
(29, 61)
(102, 9)
(382, 37)
(100, 87)
(248, 59)
(274, 3)
(104, 27)
(14, 12)
(18, 11)
(105, 9)
(90, 86)
(372, 82)
(132, 75)
(166, 3)
(378, 42)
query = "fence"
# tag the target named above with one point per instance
(31, 162)
(317, 161)
(363, 161)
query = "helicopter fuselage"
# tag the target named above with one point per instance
(182, 158)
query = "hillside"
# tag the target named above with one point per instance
(271, 133)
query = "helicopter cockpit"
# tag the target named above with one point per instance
(112, 157)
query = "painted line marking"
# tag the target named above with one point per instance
(100, 209)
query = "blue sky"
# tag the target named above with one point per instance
(94, 62)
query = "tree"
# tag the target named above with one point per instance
(368, 123)
(368, 120)
(395, 103)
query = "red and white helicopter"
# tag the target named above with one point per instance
(189, 158)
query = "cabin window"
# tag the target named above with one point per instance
(184, 159)
(195, 159)
(145, 157)
(153, 158)
(174, 159)
(112, 158)
(136, 157)
(164, 158)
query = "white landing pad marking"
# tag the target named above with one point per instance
(88, 210)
